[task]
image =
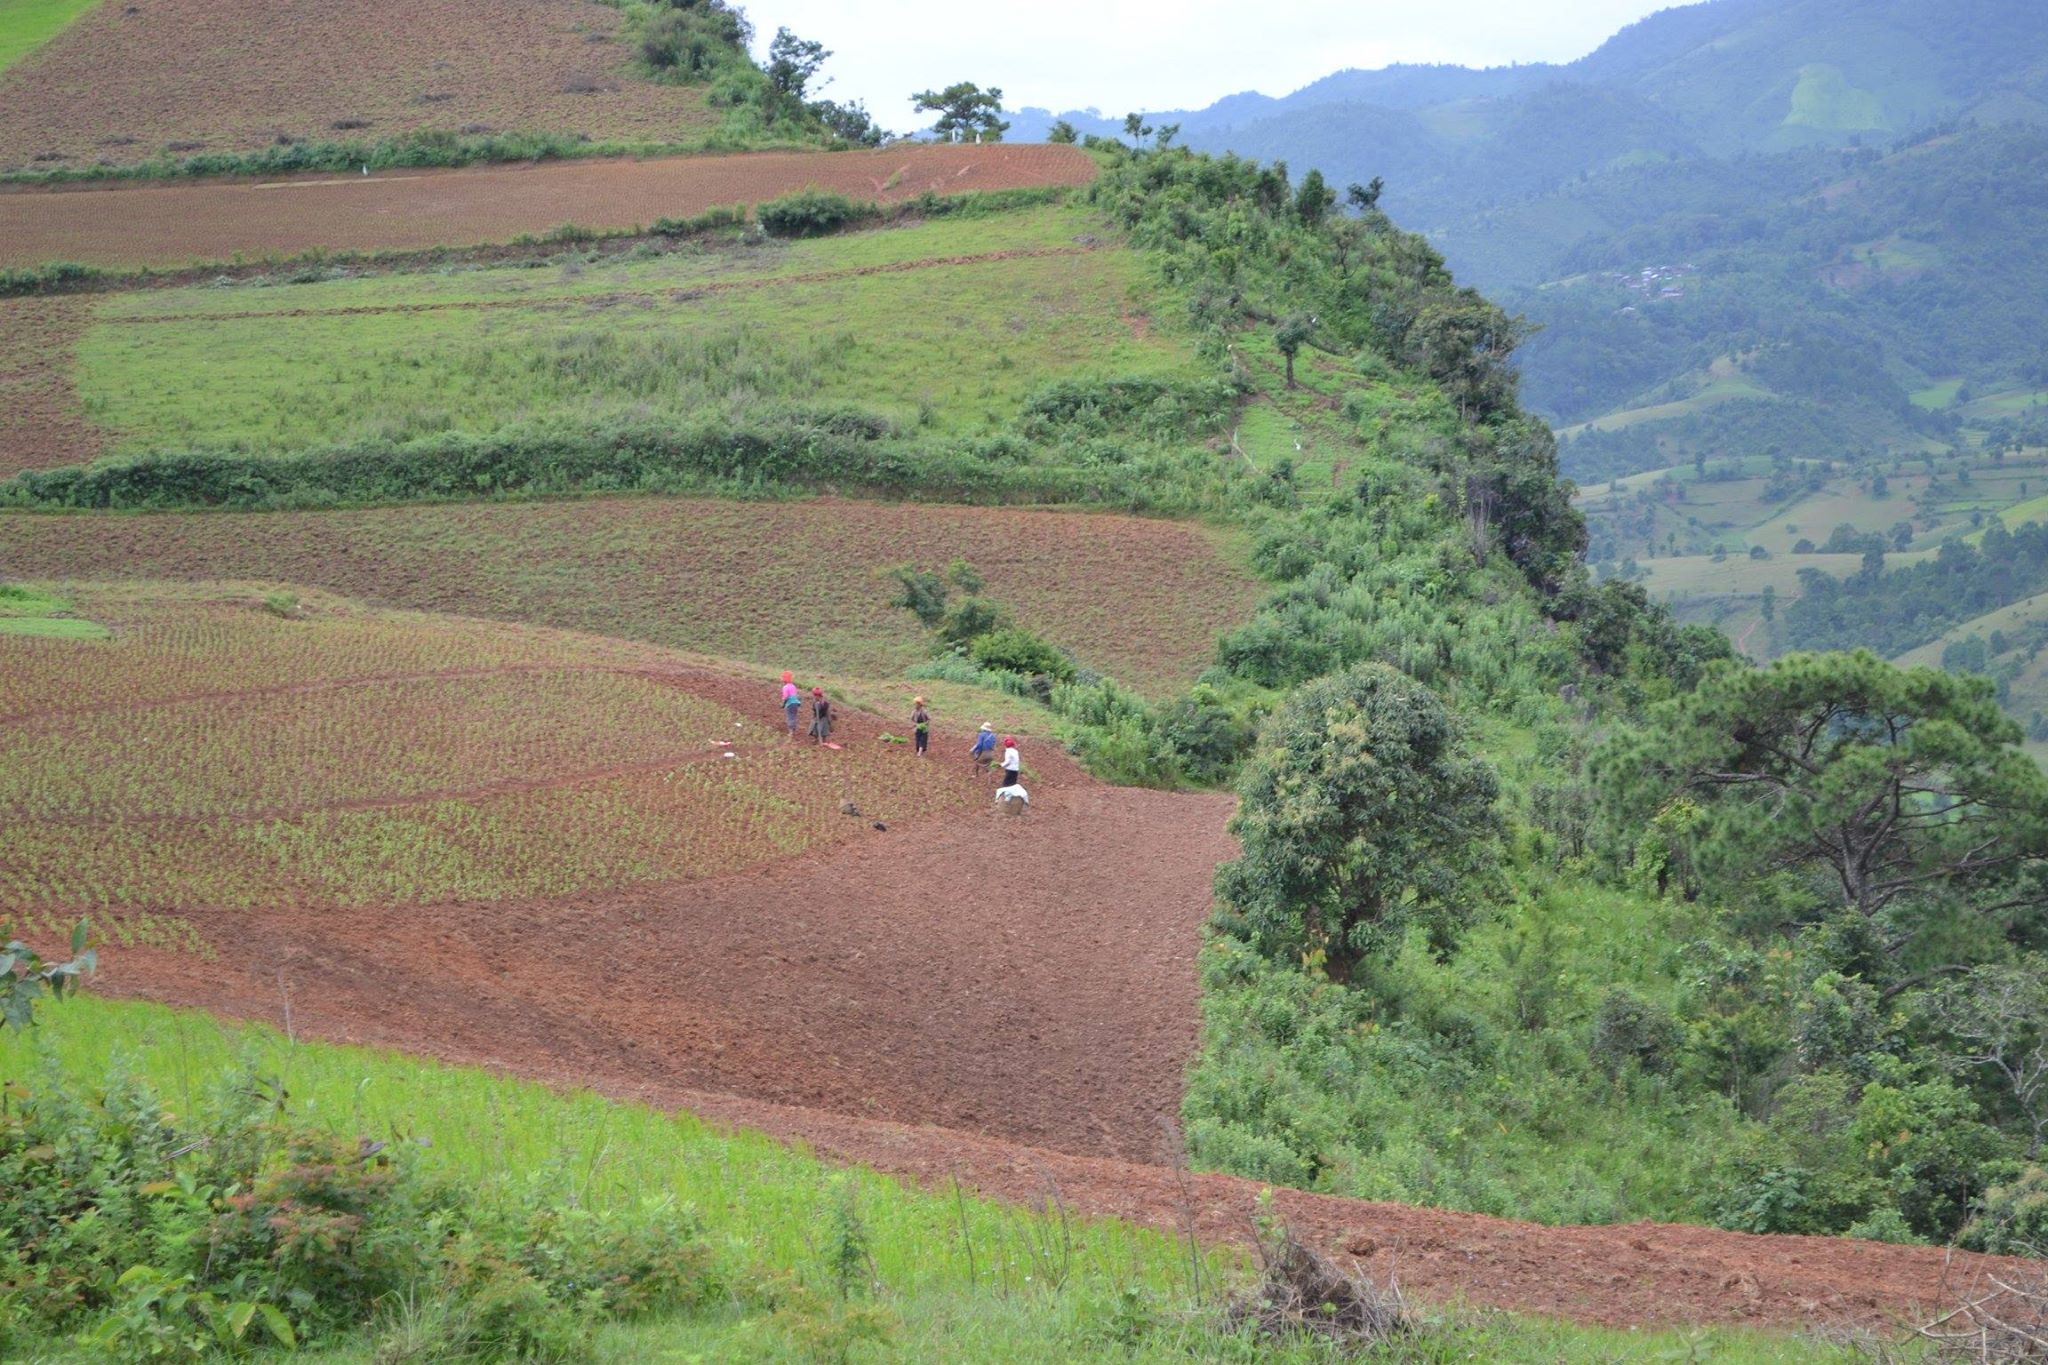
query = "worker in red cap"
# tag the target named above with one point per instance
(821, 717)
(1013, 766)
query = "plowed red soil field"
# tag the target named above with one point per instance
(128, 82)
(42, 425)
(180, 223)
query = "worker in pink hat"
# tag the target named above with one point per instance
(792, 704)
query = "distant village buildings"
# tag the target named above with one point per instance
(1656, 283)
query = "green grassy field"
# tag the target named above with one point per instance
(1937, 396)
(943, 327)
(1663, 515)
(957, 1278)
(1717, 390)
(30, 612)
(26, 25)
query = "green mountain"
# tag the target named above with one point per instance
(1743, 227)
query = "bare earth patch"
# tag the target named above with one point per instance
(129, 82)
(179, 223)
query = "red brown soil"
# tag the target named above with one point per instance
(127, 81)
(176, 223)
(1009, 1003)
(42, 425)
(1140, 599)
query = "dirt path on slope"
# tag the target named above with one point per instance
(182, 222)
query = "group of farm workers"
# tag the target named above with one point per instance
(1009, 767)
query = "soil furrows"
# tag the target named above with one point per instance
(171, 224)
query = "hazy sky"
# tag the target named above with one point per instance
(1153, 54)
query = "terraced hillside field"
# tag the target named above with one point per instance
(781, 585)
(173, 224)
(212, 753)
(128, 82)
(244, 794)
(943, 327)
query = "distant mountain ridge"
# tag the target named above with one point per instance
(1744, 132)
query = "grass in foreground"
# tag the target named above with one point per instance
(953, 1277)
(26, 25)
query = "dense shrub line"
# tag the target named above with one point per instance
(792, 452)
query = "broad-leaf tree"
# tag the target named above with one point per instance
(793, 63)
(1903, 785)
(965, 112)
(1362, 813)
(1993, 1023)
(1290, 336)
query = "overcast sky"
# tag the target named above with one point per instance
(1155, 54)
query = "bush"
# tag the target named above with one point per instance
(710, 220)
(697, 42)
(813, 213)
(178, 1238)
(1012, 649)
(2012, 1218)
(973, 618)
(57, 277)
(1630, 1031)
(1208, 733)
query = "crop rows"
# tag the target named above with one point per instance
(325, 781)
(1140, 599)
(229, 643)
(699, 819)
(244, 755)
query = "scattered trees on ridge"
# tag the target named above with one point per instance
(966, 112)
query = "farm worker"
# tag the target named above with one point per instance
(984, 750)
(821, 716)
(920, 725)
(792, 703)
(1013, 799)
(1013, 766)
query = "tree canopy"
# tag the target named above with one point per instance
(1900, 783)
(965, 111)
(1362, 813)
